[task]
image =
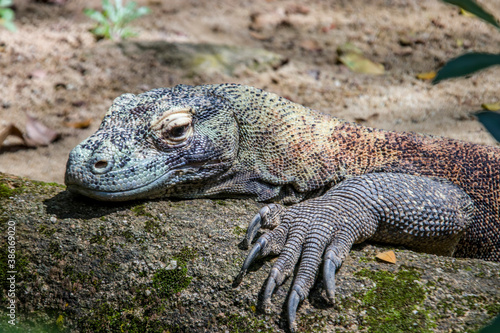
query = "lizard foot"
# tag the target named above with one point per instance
(307, 232)
(423, 213)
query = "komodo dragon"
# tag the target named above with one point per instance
(347, 183)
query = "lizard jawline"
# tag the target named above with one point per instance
(149, 190)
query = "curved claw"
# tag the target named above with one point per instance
(254, 253)
(293, 303)
(272, 281)
(253, 227)
(329, 279)
(266, 301)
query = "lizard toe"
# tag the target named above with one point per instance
(269, 243)
(269, 217)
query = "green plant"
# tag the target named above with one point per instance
(469, 63)
(114, 18)
(7, 15)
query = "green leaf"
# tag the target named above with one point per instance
(95, 15)
(5, 3)
(102, 31)
(7, 14)
(141, 11)
(106, 5)
(474, 8)
(466, 64)
(114, 18)
(491, 121)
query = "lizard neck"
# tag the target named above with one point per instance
(292, 148)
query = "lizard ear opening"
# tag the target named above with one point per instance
(174, 128)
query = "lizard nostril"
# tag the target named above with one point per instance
(101, 164)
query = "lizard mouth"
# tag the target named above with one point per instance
(144, 191)
(153, 189)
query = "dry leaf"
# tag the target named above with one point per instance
(388, 256)
(79, 124)
(310, 45)
(297, 9)
(268, 20)
(426, 76)
(259, 36)
(359, 64)
(404, 51)
(465, 13)
(37, 134)
(348, 48)
(37, 74)
(353, 58)
(327, 28)
(9, 129)
(491, 107)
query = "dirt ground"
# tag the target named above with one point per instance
(54, 69)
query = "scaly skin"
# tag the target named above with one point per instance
(349, 183)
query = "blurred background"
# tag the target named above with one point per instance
(62, 62)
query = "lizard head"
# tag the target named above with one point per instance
(165, 142)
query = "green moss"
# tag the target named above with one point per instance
(6, 191)
(129, 236)
(168, 282)
(493, 309)
(21, 267)
(430, 283)
(154, 228)
(10, 187)
(186, 254)
(365, 259)
(471, 302)
(121, 318)
(140, 210)
(108, 319)
(311, 323)
(46, 230)
(444, 305)
(60, 322)
(239, 324)
(32, 325)
(480, 275)
(100, 237)
(55, 249)
(82, 277)
(395, 304)
(239, 231)
(49, 184)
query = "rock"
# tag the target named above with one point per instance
(206, 58)
(88, 271)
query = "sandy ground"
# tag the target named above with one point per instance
(54, 69)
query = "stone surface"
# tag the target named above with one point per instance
(86, 266)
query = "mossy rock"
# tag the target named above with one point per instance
(88, 266)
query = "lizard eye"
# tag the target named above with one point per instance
(175, 128)
(178, 132)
